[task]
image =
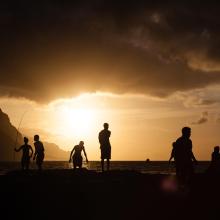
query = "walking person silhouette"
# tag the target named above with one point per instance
(183, 156)
(39, 152)
(76, 156)
(25, 159)
(105, 145)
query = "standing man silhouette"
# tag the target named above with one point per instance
(105, 145)
(183, 156)
(39, 152)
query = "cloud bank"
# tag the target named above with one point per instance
(52, 49)
(203, 119)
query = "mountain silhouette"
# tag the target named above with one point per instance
(8, 135)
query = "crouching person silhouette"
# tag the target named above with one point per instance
(39, 152)
(25, 159)
(76, 156)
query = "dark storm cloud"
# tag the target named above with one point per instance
(53, 49)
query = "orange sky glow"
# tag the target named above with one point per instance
(142, 127)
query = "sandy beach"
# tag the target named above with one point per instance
(61, 194)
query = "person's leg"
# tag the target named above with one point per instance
(39, 163)
(190, 172)
(27, 163)
(27, 166)
(74, 166)
(184, 176)
(40, 166)
(22, 163)
(179, 174)
(102, 164)
(108, 164)
(80, 162)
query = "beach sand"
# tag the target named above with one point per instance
(68, 194)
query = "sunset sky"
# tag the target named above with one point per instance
(148, 68)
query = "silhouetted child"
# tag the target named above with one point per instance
(76, 156)
(215, 161)
(216, 154)
(39, 152)
(25, 159)
(105, 145)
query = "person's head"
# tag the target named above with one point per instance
(25, 140)
(81, 143)
(186, 132)
(216, 149)
(36, 137)
(105, 125)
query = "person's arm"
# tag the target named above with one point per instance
(71, 154)
(17, 150)
(43, 147)
(173, 151)
(212, 157)
(192, 155)
(31, 151)
(194, 159)
(99, 138)
(84, 151)
(171, 156)
(35, 152)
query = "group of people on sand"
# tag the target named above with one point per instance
(75, 155)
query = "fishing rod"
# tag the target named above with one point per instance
(16, 139)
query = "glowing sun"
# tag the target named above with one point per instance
(78, 122)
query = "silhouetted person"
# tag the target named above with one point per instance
(25, 159)
(39, 152)
(215, 162)
(76, 156)
(183, 156)
(216, 154)
(105, 145)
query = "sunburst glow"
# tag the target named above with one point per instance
(78, 122)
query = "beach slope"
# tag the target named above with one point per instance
(68, 194)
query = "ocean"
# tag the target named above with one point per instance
(152, 167)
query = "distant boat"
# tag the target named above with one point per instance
(147, 160)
